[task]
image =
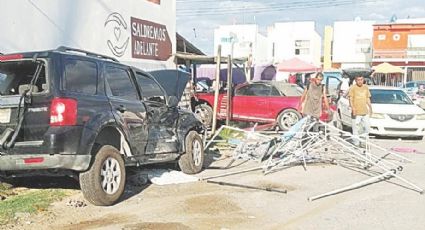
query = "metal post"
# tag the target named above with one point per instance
(216, 89)
(229, 89)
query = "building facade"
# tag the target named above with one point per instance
(294, 39)
(241, 41)
(401, 43)
(136, 32)
(352, 44)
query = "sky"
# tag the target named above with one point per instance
(197, 19)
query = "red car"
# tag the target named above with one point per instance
(261, 101)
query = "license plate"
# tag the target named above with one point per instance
(5, 115)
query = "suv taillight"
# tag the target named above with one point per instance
(11, 57)
(63, 112)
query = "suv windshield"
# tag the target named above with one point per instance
(380, 96)
(16, 76)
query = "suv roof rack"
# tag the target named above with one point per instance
(65, 49)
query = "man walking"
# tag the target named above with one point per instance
(361, 108)
(313, 97)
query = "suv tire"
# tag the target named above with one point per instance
(104, 183)
(192, 160)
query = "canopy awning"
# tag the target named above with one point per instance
(296, 65)
(386, 68)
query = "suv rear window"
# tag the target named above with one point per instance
(15, 77)
(80, 76)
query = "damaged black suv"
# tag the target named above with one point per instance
(73, 112)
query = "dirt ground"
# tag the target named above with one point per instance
(201, 205)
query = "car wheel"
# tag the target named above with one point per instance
(288, 118)
(204, 113)
(103, 184)
(192, 160)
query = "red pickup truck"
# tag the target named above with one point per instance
(261, 101)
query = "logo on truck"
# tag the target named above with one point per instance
(118, 42)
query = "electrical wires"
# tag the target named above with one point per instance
(187, 8)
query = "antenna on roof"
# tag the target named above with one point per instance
(393, 18)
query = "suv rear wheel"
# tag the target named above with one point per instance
(104, 183)
(192, 160)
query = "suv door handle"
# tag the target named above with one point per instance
(121, 109)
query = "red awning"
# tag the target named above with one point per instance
(296, 65)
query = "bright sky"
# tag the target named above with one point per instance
(197, 19)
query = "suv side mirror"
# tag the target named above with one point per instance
(172, 101)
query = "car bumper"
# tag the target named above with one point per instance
(412, 128)
(44, 161)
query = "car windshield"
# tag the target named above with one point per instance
(381, 96)
(290, 90)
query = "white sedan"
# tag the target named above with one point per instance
(394, 113)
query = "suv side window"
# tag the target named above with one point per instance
(80, 76)
(150, 90)
(120, 83)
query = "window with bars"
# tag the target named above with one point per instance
(302, 47)
(363, 45)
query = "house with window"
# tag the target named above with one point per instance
(401, 43)
(352, 44)
(241, 41)
(294, 39)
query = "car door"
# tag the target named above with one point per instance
(162, 118)
(251, 101)
(129, 112)
(332, 85)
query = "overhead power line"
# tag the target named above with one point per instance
(271, 7)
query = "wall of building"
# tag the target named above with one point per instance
(138, 32)
(245, 40)
(294, 39)
(401, 43)
(352, 43)
(399, 40)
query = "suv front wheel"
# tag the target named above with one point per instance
(103, 184)
(192, 160)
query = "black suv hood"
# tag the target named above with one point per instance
(173, 81)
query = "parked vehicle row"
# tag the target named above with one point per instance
(260, 101)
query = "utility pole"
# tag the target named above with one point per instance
(216, 89)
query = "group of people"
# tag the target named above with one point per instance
(314, 99)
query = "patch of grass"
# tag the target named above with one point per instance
(230, 134)
(4, 186)
(29, 202)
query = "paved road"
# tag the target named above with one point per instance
(201, 205)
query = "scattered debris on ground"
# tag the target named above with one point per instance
(313, 141)
(76, 203)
